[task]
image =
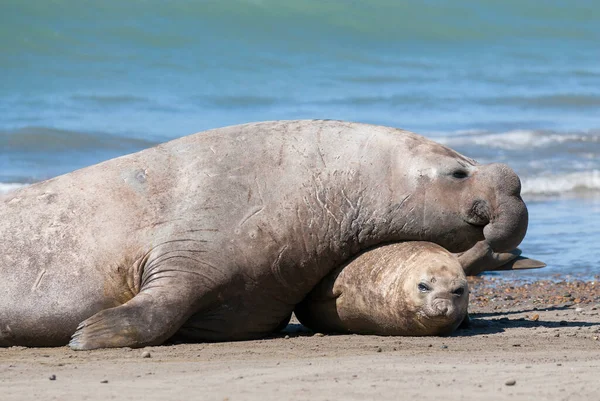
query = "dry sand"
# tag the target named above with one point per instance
(526, 341)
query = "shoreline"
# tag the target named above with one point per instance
(542, 336)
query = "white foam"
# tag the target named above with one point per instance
(516, 139)
(561, 184)
(5, 188)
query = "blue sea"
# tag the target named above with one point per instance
(512, 81)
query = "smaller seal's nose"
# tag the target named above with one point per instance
(442, 306)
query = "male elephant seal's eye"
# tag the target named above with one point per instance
(423, 287)
(459, 291)
(460, 174)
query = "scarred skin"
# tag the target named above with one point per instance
(218, 235)
(405, 289)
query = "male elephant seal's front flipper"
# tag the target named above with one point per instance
(482, 258)
(149, 318)
(522, 263)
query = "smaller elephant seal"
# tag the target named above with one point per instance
(402, 289)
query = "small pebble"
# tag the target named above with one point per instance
(559, 364)
(511, 382)
(52, 377)
(557, 335)
(287, 337)
(578, 310)
(444, 346)
(104, 381)
(146, 354)
(535, 317)
(319, 335)
(379, 349)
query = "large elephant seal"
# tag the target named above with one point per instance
(218, 235)
(404, 289)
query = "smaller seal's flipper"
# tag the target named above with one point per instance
(481, 258)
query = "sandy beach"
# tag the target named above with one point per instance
(526, 340)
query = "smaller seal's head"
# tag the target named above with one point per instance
(438, 293)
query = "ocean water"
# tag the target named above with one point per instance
(510, 81)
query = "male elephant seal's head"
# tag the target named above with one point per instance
(463, 202)
(405, 289)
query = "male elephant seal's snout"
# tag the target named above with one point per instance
(405, 289)
(504, 214)
(479, 213)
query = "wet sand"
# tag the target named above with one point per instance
(525, 340)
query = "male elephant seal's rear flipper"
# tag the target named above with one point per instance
(482, 258)
(405, 289)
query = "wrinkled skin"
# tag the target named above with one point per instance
(218, 235)
(405, 289)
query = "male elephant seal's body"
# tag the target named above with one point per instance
(404, 289)
(217, 236)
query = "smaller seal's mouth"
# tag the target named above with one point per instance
(436, 319)
(434, 313)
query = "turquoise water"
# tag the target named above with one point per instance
(511, 81)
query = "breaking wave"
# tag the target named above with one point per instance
(519, 139)
(45, 139)
(578, 183)
(7, 187)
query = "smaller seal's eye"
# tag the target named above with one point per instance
(460, 174)
(423, 287)
(459, 291)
